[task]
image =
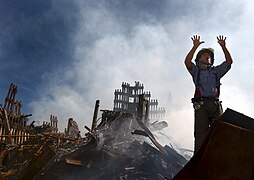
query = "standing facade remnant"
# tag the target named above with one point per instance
(72, 130)
(143, 109)
(11, 104)
(53, 123)
(13, 124)
(127, 100)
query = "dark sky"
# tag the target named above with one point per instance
(35, 38)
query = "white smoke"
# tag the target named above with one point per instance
(109, 52)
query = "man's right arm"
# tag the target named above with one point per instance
(189, 57)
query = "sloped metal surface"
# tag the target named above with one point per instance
(227, 153)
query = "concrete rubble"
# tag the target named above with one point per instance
(118, 145)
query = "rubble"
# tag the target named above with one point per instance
(119, 144)
(115, 152)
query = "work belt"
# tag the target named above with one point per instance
(198, 102)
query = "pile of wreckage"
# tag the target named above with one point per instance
(118, 145)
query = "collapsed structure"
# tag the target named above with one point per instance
(20, 143)
(118, 145)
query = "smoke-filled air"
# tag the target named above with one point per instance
(65, 54)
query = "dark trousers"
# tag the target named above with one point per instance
(205, 115)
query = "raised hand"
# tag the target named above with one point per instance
(221, 40)
(196, 40)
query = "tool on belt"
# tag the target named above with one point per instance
(197, 103)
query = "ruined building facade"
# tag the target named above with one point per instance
(14, 128)
(127, 99)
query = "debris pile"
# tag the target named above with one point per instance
(115, 150)
(25, 149)
(119, 145)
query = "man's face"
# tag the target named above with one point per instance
(206, 58)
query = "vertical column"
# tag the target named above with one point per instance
(1, 131)
(96, 109)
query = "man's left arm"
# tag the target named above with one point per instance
(222, 42)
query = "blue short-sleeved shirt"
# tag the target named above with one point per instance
(207, 82)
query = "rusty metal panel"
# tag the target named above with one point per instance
(227, 152)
